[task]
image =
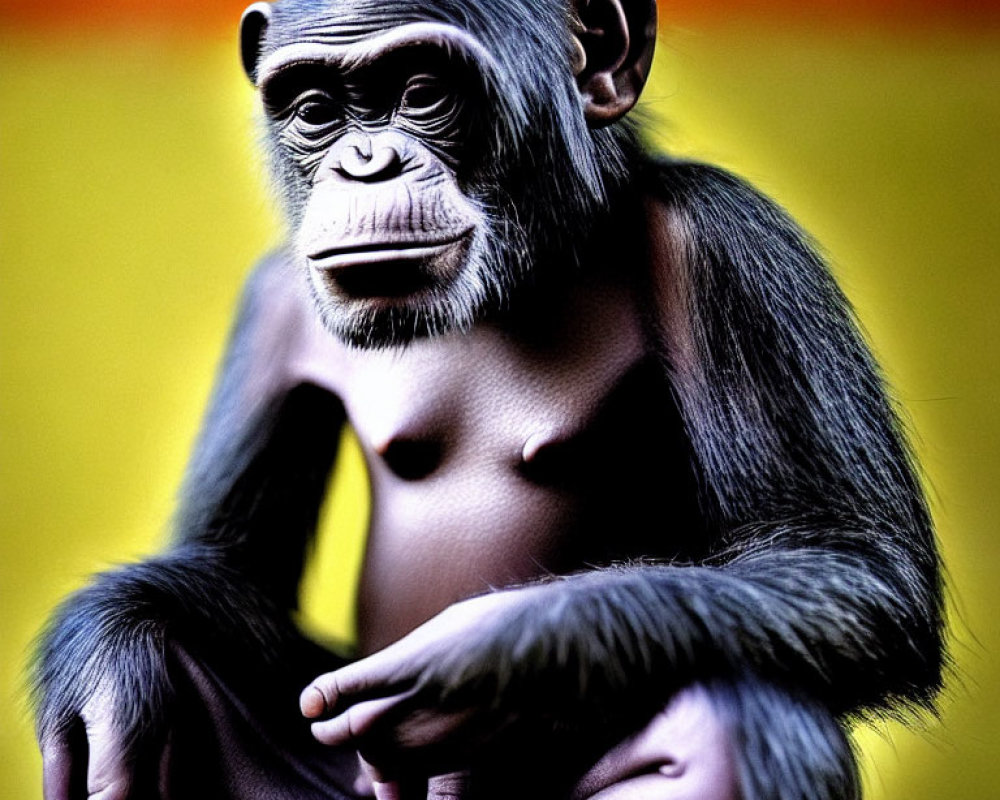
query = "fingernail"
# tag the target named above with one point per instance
(312, 703)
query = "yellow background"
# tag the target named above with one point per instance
(130, 209)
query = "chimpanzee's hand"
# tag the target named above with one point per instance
(428, 703)
(102, 698)
(103, 760)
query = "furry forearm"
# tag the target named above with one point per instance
(828, 622)
(111, 636)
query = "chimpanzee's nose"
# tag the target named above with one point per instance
(361, 159)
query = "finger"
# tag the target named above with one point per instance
(322, 696)
(453, 786)
(388, 669)
(382, 672)
(367, 777)
(389, 790)
(319, 697)
(57, 767)
(385, 788)
(355, 722)
(409, 788)
(400, 664)
(108, 774)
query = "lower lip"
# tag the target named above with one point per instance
(386, 281)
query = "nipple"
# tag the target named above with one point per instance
(412, 459)
(535, 444)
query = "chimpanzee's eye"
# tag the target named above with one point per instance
(316, 109)
(425, 95)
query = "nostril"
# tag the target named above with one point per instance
(360, 154)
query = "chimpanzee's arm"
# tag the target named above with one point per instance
(824, 577)
(829, 574)
(226, 585)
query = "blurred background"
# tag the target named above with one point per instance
(131, 206)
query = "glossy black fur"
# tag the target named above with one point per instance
(820, 597)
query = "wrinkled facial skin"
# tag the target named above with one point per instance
(419, 191)
(377, 131)
(380, 133)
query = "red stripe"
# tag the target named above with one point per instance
(219, 13)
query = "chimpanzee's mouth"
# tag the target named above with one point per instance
(398, 277)
(387, 269)
(358, 255)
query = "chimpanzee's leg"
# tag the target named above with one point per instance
(729, 741)
(231, 739)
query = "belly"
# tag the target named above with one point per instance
(463, 532)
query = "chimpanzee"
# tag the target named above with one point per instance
(643, 521)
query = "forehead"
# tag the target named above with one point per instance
(342, 22)
(514, 23)
(501, 36)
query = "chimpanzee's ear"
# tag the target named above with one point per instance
(253, 26)
(614, 42)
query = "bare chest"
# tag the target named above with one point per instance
(486, 400)
(498, 455)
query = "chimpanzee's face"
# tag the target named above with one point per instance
(422, 173)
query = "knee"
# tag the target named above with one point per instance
(684, 753)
